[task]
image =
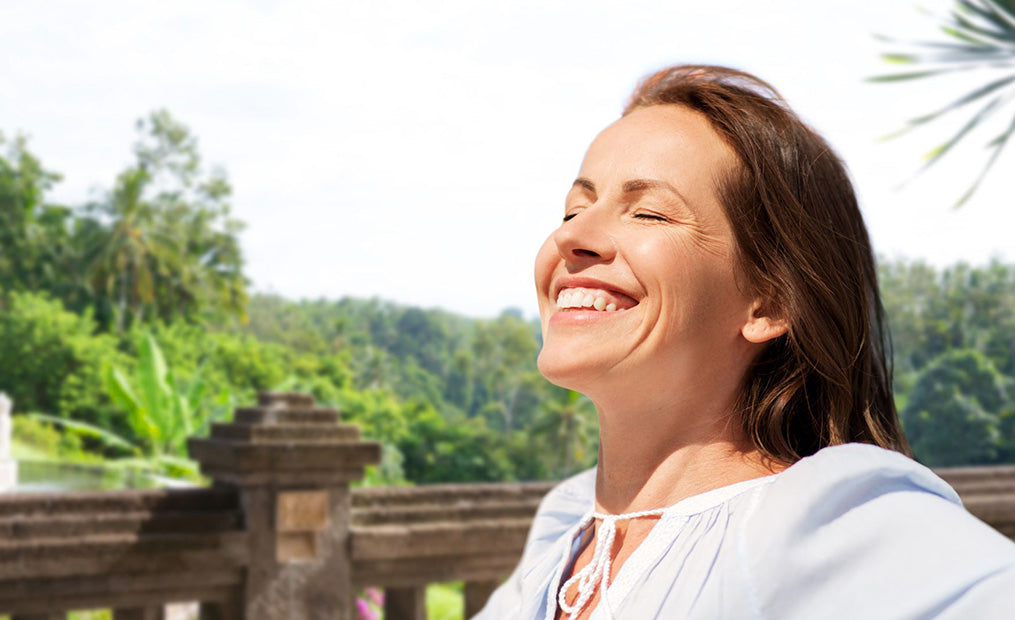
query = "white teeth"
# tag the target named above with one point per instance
(576, 298)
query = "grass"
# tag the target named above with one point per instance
(445, 601)
(24, 452)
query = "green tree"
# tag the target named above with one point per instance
(51, 360)
(568, 431)
(35, 252)
(162, 242)
(982, 35)
(954, 416)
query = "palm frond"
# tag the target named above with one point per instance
(1002, 16)
(983, 33)
(938, 152)
(931, 45)
(979, 93)
(998, 145)
(914, 75)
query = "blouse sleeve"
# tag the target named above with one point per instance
(861, 532)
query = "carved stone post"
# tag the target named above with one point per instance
(477, 593)
(292, 463)
(155, 612)
(405, 603)
(8, 466)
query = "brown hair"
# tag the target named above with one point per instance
(803, 248)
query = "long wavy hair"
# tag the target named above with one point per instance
(802, 246)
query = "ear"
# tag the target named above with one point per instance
(762, 324)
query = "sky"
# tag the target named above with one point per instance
(420, 151)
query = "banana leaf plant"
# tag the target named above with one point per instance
(982, 36)
(162, 413)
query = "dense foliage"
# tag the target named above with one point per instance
(954, 336)
(130, 316)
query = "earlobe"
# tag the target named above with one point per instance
(761, 326)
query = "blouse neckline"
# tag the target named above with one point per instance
(652, 547)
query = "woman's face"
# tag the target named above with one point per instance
(636, 288)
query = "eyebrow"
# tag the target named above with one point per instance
(635, 185)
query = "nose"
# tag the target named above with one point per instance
(585, 240)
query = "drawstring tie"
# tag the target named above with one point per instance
(598, 568)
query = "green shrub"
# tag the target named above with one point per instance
(52, 360)
(36, 434)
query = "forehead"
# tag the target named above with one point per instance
(665, 142)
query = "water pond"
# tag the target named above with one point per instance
(54, 476)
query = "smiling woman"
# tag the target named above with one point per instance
(712, 289)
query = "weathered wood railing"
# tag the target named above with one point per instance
(281, 534)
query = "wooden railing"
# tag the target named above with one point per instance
(281, 535)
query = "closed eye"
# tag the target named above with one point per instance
(650, 216)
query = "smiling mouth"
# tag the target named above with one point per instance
(591, 299)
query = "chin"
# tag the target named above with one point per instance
(565, 370)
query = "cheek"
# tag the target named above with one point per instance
(696, 285)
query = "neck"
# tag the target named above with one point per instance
(654, 458)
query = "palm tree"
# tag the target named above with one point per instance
(568, 426)
(982, 34)
(128, 252)
(162, 242)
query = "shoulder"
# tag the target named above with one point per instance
(869, 529)
(855, 473)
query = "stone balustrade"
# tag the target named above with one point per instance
(281, 535)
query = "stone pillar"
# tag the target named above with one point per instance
(8, 466)
(292, 464)
(405, 603)
(154, 612)
(477, 593)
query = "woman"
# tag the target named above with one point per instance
(712, 289)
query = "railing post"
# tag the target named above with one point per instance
(154, 612)
(8, 466)
(477, 593)
(222, 610)
(292, 464)
(405, 603)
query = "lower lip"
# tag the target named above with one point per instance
(582, 317)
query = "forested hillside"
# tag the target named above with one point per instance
(126, 325)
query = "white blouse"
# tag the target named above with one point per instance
(854, 531)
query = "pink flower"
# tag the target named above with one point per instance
(364, 611)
